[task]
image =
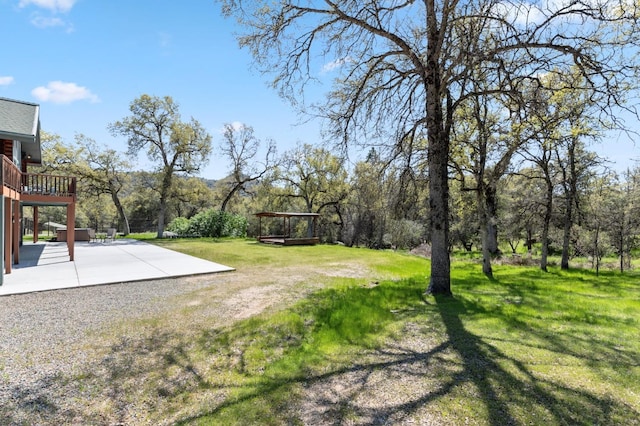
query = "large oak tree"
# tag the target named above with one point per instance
(173, 145)
(407, 65)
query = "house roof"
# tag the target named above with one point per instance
(20, 121)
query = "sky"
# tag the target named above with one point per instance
(85, 61)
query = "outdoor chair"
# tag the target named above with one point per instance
(92, 234)
(111, 234)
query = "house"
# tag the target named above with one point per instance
(20, 148)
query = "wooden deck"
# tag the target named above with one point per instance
(36, 188)
(282, 241)
(20, 189)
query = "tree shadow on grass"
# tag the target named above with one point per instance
(435, 370)
(464, 367)
(508, 387)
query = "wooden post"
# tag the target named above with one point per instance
(35, 224)
(7, 234)
(2, 232)
(16, 232)
(71, 229)
(315, 226)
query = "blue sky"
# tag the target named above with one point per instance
(84, 61)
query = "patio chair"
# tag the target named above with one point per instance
(111, 234)
(92, 234)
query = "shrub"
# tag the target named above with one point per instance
(211, 223)
(405, 233)
(179, 225)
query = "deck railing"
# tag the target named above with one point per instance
(36, 183)
(11, 175)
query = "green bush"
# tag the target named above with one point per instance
(405, 234)
(210, 223)
(179, 225)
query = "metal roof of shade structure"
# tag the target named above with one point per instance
(286, 214)
(286, 238)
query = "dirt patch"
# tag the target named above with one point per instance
(252, 301)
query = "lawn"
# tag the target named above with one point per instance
(365, 345)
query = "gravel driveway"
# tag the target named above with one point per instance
(42, 335)
(48, 338)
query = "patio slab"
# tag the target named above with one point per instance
(46, 266)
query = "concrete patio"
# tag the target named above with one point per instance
(46, 266)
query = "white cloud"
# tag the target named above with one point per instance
(50, 22)
(47, 22)
(60, 92)
(335, 64)
(520, 13)
(235, 125)
(527, 12)
(5, 81)
(53, 5)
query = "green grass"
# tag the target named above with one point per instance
(145, 236)
(248, 253)
(525, 348)
(42, 237)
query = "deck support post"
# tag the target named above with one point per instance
(71, 229)
(2, 246)
(15, 237)
(35, 224)
(7, 234)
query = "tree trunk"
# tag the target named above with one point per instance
(621, 250)
(486, 254)
(164, 195)
(235, 188)
(440, 282)
(483, 218)
(491, 218)
(161, 217)
(126, 230)
(548, 209)
(438, 153)
(529, 242)
(566, 238)
(545, 246)
(571, 194)
(514, 246)
(596, 251)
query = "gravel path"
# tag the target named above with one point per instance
(48, 339)
(42, 334)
